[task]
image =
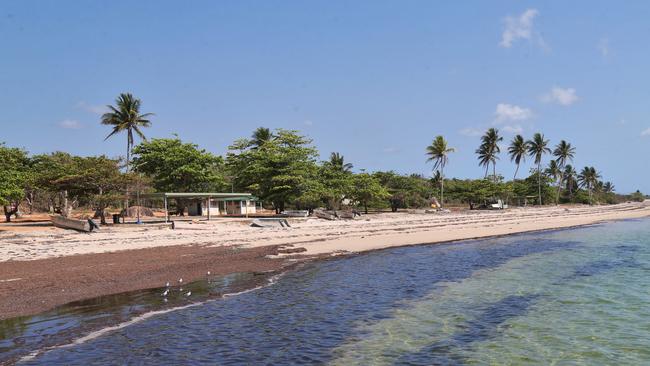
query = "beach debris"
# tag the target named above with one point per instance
(166, 292)
(167, 284)
(189, 293)
(180, 280)
(270, 222)
(208, 273)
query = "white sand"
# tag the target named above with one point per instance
(316, 236)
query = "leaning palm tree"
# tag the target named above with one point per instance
(338, 162)
(438, 152)
(588, 178)
(555, 172)
(489, 150)
(125, 116)
(537, 147)
(563, 153)
(517, 151)
(260, 136)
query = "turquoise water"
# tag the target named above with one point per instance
(579, 297)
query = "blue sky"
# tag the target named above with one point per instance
(373, 80)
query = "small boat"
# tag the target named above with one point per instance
(270, 222)
(295, 213)
(74, 224)
(327, 215)
(347, 214)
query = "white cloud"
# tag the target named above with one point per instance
(470, 131)
(70, 124)
(509, 112)
(520, 27)
(645, 132)
(95, 109)
(561, 96)
(603, 47)
(513, 129)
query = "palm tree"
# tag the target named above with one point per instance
(517, 151)
(563, 153)
(554, 171)
(570, 179)
(608, 187)
(489, 150)
(537, 147)
(338, 162)
(125, 116)
(260, 136)
(588, 178)
(438, 153)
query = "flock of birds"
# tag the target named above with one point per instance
(180, 289)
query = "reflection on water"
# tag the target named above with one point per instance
(577, 296)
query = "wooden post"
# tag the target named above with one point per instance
(209, 208)
(166, 210)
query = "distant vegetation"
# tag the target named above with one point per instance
(281, 167)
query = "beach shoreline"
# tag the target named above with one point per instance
(42, 270)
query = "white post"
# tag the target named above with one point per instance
(246, 203)
(209, 208)
(166, 211)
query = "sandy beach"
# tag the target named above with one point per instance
(46, 267)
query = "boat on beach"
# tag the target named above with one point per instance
(295, 213)
(74, 224)
(270, 222)
(327, 215)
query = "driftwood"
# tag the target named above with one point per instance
(74, 224)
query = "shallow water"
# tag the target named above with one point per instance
(577, 296)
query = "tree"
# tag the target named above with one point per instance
(608, 187)
(537, 147)
(126, 116)
(555, 172)
(438, 152)
(260, 136)
(176, 166)
(489, 150)
(517, 150)
(337, 161)
(367, 188)
(14, 173)
(563, 153)
(278, 171)
(588, 178)
(570, 177)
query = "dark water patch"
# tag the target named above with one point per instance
(484, 327)
(304, 316)
(22, 335)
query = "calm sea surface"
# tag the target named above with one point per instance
(579, 296)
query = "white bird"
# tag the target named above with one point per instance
(188, 293)
(180, 280)
(208, 273)
(167, 284)
(166, 292)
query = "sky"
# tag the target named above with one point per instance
(373, 80)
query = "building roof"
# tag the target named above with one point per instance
(238, 196)
(241, 198)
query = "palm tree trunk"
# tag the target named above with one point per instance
(539, 184)
(486, 170)
(442, 186)
(494, 172)
(516, 171)
(128, 160)
(559, 187)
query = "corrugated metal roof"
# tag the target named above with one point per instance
(198, 195)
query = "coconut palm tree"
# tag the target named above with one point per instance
(489, 150)
(588, 178)
(554, 171)
(438, 152)
(126, 116)
(570, 179)
(338, 162)
(563, 153)
(537, 147)
(260, 136)
(517, 151)
(608, 187)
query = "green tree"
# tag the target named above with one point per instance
(517, 150)
(177, 166)
(367, 188)
(555, 172)
(278, 171)
(260, 136)
(563, 153)
(570, 178)
(438, 152)
(14, 173)
(488, 151)
(537, 147)
(337, 161)
(588, 178)
(126, 116)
